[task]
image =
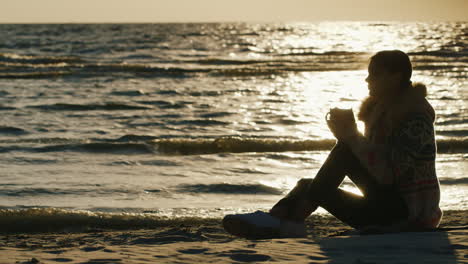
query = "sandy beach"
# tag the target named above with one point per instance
(204, 241)
(127, 143)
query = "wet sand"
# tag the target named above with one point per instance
(328, 241)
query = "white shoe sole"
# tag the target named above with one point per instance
(243, 228)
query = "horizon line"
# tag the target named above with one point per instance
(227, 21)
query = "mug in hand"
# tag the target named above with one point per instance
(337, 115)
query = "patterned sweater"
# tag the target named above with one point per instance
(399, 149)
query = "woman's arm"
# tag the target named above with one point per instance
(413, 152)
(409, 144)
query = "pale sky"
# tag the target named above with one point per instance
(64, 11)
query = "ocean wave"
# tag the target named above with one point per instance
(166, 104)
(34, 59)
(200, 122)
(18, 66)
(184, 146)
(441, 66)
(247, 171)
(61, 220)
(205, 93)
(89, 107)
(168, 92)
(225, 188)
(454, 133)
(6, 108)
(182, 71)
(34, 75)
(220, 61)
(452, 145)
(98, 191)
(147, 71)
(97, 148)
(130, 93)
(97, 69)
(45, 140)
(294, 61)
(105, 148)
(239, 145)
(289, 121)
(216, 114)
(135, 138)
(286, 157)
(453, 181)
(89, 69)
(8, 130)
(236, 145)
(441, 53)
(301, 52)
(22, 192)
(282, 69)
(169, 145)
(173, 146)
(452, 122)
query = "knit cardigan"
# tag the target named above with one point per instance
(398, 148)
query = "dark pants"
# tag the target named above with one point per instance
(380, 205)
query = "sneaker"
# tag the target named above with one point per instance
(260, 225)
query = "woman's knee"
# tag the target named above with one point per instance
(302, 187)
(304, 182)
(342, 152)
(342, 156)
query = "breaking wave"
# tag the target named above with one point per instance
(55, 219)
(135, 144)
(225, 188)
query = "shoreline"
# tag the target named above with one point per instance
(328, 241)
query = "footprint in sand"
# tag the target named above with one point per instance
(61, 259)
(193, 250)
(103, 261)
(90, 249)
(317, 258)
(246, 256)
(249, 257)
(56, 252)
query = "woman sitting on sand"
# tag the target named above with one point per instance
(393, 164)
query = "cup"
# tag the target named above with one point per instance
(337, 115)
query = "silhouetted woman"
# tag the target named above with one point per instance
(393, 164)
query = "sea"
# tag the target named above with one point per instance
(143, 122)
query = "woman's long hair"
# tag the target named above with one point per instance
(393, 61)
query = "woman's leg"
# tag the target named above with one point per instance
(341, 162)
(358, 211)
(377, 205)
(299, 203)
(296, 205)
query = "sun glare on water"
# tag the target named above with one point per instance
(311, 94)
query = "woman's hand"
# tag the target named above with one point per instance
(342, 124)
